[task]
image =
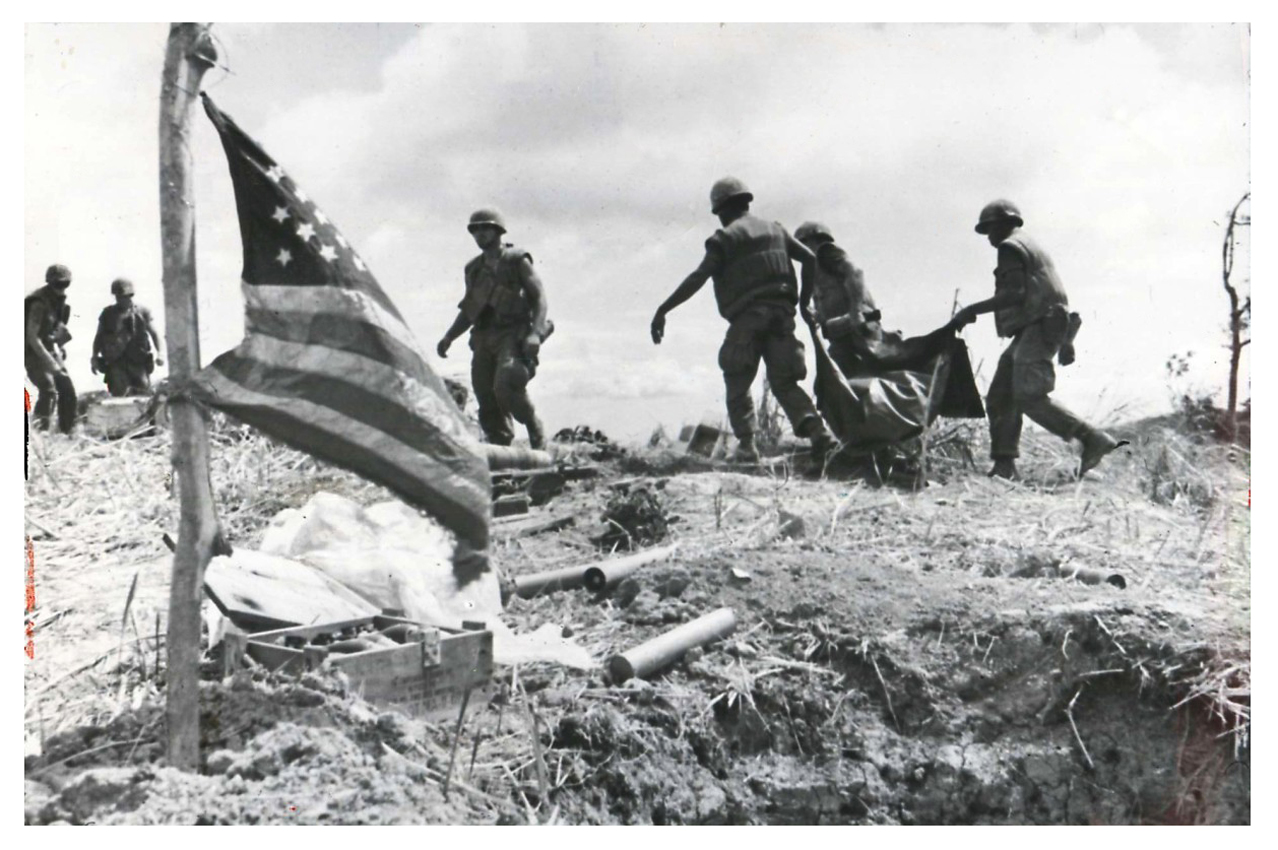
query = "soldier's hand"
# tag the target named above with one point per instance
(806, 312)
(442, 348)
(93, 364)
(532, 345)
(658, 328)
(962, 319)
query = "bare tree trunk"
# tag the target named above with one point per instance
(190, 53)
(1236, 316)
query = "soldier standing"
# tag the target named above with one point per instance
(125, 346)
(751, 262)
(44, 353)
(1030, 307)
(844, 306)
(505, 310)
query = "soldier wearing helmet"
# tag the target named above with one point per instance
(1030, 307)
(44, 353)
(751, 263)
(504, 309)
(844, 307)
(125, 345)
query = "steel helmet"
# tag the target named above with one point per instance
(725, 190)
(996, 211)
(486, 217)
(121, 286)
(811, 230)
(57, 273)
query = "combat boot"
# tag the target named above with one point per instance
(747, 451)
(1004, 467)
(536, 434)
(1096, 444)
(823, 442)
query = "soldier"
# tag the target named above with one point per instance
(751, 262)
(844, 307)
(44, 353)
(125, 346)
(505, 309)
(1030, 306)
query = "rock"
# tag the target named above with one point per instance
(35, 796)
(674, 584)
(219, 762)
(626, 591)
(791, 526)
(111, 788)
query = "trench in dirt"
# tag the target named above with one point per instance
(1000, 727)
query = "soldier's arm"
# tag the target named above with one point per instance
(536, 294)
(460, 325)
(807, 266)
(1010, 291)
(690, 286)
(155, 337)
(35, 317)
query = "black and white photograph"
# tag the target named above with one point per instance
(636, 423)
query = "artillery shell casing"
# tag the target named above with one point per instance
(605, 574)
(650, 657)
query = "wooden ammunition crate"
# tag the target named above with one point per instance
(426, 677)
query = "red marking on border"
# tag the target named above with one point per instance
(26, 397)
(31, 597)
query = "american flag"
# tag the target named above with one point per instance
(328, 364)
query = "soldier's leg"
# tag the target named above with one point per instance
(783, 356)
(1004, 415)
(739, 360)
(67, 403)
(514, 371)
(1034, 378)
(117, 378)
(139, 379)
(46, 393)
(483, 378)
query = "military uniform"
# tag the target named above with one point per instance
(123, 342)
(1025, 376)
(501, 319)
(47, 312)
(756, 291)
(839, 290)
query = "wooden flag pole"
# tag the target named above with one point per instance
(190, 53)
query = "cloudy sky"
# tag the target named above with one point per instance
(1125, 147)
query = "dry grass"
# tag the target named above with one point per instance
(1171, 515)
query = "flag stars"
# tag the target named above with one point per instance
(280, 214)
(341, 240)
(320, 217)
(359, 264)
(275, 174)
(306, 231)
(283, 257)
(328, 252)
(300, 195)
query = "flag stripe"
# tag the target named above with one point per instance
(326, 433)
(353, 394)
(339, 333)
(439, 413)
(318, 300)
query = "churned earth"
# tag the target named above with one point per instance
(902, 654)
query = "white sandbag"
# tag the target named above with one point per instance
(387, 553)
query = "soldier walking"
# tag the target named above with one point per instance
(44, 352)
(751, 263)
(505, 310)
(844, 307)
(125, 345)
(1030, 307)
